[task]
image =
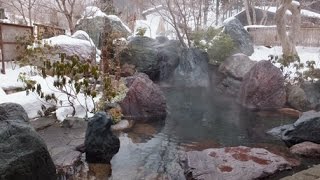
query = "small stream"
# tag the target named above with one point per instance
(197, 119)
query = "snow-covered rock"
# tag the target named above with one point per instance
(79, 44)
(94, 22)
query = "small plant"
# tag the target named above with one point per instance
(218, 45)
(141, 31)
(71, 77)
(116, 114)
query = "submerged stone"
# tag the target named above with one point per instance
(233, 163)
(100, 143)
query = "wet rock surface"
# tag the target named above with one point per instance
(156, 57)
(306, 128)
(100, 143)
(144, 100)
(23, 154)
(233, 163)
(62, 144)
(263, 87)
(192, 70)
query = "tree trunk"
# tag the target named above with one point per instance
(205, 12)
(254, 15)
(217, 12)
(288, 42)
(70, 23)
(246, 6)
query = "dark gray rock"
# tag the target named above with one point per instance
(156, 58)
(42, 123)
(100, 143)
(278, 131)
(144, 100)
(241, 37)
(233, 163)
(263, 87)
(236, 66)
(306, 128)
(297, 98)
(230, 86)
(12, 111)
(95, 27)
(192, 70)
(312, 91)
(23, 154)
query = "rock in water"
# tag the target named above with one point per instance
(100, 143)
(263, 87)
(240, 36)
(307, 149)
(233, 163)
(23, 154)
(144, 100)
(192, 70)
(306, 128)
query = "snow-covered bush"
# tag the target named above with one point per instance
(218, 45)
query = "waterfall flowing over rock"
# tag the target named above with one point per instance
(192, 70)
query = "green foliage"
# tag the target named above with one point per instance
(141, 31)
(218, 45)
(301, 72)
(116, 114)
(31, 51)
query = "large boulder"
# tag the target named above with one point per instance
(156, 57)
(297, 98)
(312, 91)
(233, 163)
(192, 70)
(79, 44)
(240, 36)
(144, 100)
(306, 128)
(263, 87)
(236, 66)
(12, 111)
(23, 153)
(95, 21)
(100, 143)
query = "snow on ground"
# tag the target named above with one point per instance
(305, 54)
(32, 103)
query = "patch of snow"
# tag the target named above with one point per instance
(32, 103)
(2, 93)
(305, 54)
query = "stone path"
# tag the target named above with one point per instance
(309, 174)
